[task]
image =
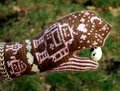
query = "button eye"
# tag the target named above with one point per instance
(94, 54)
(92, 49)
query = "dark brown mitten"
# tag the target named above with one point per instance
(54, 48)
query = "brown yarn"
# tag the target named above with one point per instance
(53, 50)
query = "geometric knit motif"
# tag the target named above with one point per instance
(30, 57)
(3, 70)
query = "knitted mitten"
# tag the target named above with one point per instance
(54, 49)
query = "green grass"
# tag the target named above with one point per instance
(40, 13)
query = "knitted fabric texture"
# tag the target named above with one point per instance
(53, 49)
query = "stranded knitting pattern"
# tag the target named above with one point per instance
(54, 49)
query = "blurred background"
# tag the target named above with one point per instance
(24, 19)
